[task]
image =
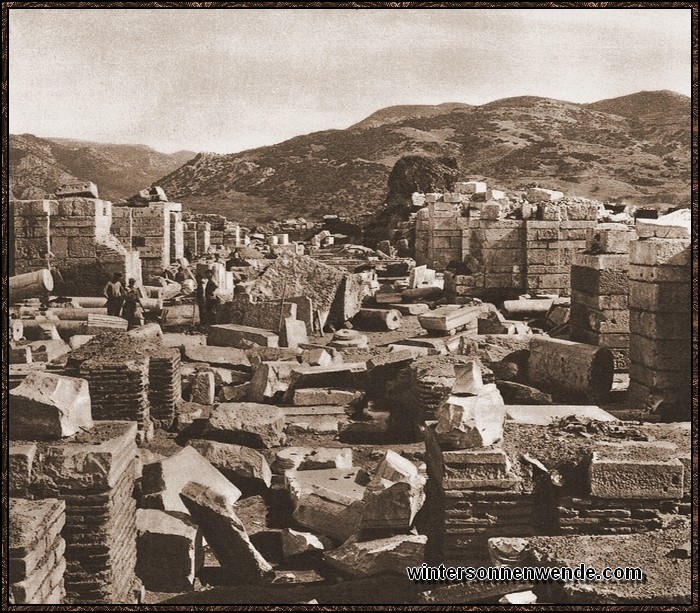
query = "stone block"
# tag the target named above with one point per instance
(327, 502)
(323, 396)
(295, 543)
(241, 465)
(232, 335)
(394, 495)
(660, 251)
(667, 354)
(21, 354)
(660, 274)
(86, 189)
(346, 375)
(169, 550)
(660, 298)
(545, 415)
(81, 247)
(202, 387)
(602, 322)
(659, 325)
(468, 379)
(539, 194)
(21, 460)
(312, 458)
(610, 238)
(317, 357)
(229, 357)
(629, 473)
(661, 228)
(599, 302)
(226, 535)
(247, 423)
(601, 261)
(656, 378)
(48, 350)
(293, 333)
(49, 406)
(164, 480)
(582, 211)
(596, 282)
(270, 379)
(466, 422)
(387, 555)
(475, 464)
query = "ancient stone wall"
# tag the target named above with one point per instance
(72, 235)
(155, 231)
(661, 319)
(509, 256)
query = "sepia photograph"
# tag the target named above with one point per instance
(355, 304)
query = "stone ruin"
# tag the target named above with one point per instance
(354, 412)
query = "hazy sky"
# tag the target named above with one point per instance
(225, 80)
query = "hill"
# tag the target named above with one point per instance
(39, 165)
(635, 148)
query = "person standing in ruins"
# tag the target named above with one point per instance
(201, 304)
(211, 298)
(132, 310)
(114, 292)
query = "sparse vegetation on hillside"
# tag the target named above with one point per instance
(635, 148)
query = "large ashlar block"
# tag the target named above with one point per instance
(49, 406)
(21, 460)
(164, 480)
(610, 238)
(660, 251)
(226, 535)
(466, 422)
(327, 502)
(632, 472)
(475, 464)
(241, 465)
(394, 495)
(169, 550)
(660, 298)
(232, 335)
(572, 368)
(270, 378)
(247, 423)
(312, 458)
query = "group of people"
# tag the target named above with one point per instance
(123, 301)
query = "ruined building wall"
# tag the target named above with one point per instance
(661, 320)
(76, 234)
(29, 234)
(506, 255)
(154, 231)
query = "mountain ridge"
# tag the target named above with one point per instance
(634, 148)
(39, 165)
